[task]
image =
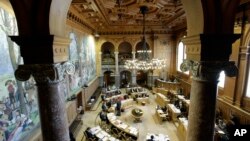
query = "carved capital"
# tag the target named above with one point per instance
(44, 73)
(209, 70)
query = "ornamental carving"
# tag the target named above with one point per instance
(44, 73)
(209, 70)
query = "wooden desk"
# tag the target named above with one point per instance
(167, 84)
(122, 126)
(174, 112)
(162, 91)
(182, 128)
(161, 100)
(161, 115)
(102, 135)
(140, 100)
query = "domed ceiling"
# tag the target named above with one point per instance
(123, 16)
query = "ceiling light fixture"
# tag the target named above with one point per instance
(144, 62)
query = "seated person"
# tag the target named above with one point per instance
(158, 107)
(164, 109)
(104, 106)
(136, 96)
(151, 138)
(109, 103)
(125, 97)
(103, 97)
(88, 133)
(103, 117)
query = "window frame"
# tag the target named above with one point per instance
(184, 56)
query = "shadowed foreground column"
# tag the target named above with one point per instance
(53, 116)
(201, 118)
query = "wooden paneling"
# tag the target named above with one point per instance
(71, 108)
(228, 109)
(89, 91)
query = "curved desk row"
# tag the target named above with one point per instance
(102, 135)
(132, 131)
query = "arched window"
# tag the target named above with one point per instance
(247, 74)
(248, 88)
(181, 55)
(221, 79)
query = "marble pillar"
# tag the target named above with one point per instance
(133, 72)
(117, 76)
(99, 72)
(53, 116)
(202, 107)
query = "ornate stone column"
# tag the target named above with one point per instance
(133, 72)
(117, 76)
(208, 55)
(48, 79)
(42, 55)
(202, 107)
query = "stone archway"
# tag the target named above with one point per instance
(125, 78)
(108, 56)
(125, 52)
(108, 78)
(141, 78)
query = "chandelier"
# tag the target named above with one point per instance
(144, 62)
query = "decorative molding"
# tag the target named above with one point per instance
(60, 49)
(76, 19)
(44, 73)
(209, 70)
(132, 32)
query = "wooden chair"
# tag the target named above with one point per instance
(116, 133)
(125, 137)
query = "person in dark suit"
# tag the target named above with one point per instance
(118, 107)
(104, 106)
(89, 134)
(103, 117)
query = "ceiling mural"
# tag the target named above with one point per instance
(107, 16)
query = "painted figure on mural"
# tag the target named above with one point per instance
(10, 84)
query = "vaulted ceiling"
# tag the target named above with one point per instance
(116, 16)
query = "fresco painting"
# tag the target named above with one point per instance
(88, 59)
(74, 80)
(19, 113)
(82, 55)
(18, 100)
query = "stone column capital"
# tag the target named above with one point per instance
(116, 52)
(44, 73)
(209, 70)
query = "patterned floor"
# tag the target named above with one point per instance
(149, 124)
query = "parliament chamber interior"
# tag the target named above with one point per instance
(124, 70)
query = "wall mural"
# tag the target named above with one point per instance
(19, 114)
(82, 55)
(74, 80)
(18, 100)
(88, 59)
